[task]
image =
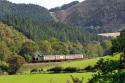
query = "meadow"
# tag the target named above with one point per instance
(53, 78)
(76, 63)
(43, 78)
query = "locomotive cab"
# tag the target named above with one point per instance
(37, 57)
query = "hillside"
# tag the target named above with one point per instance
(37, 30)
(36, 23)
(11, 40)
(95, 15)
(32, 11)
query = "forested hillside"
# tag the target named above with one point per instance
(36, 23)
(15, 48)
(11, 39)
(11, 42)
(38, 30)
(32, 11)
(95, 15)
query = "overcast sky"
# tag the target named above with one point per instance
(45, 3)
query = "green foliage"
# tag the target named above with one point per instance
(4, 51)
(45, 47)
(94, 49)
(89, 68)
(54, 46)
(28, 49)
(10, 41)
(71, 70)
(107, 45)
(55, 69)
(3, 67)
(38, 30)
(15, 62)
(35, 12)
(110, 71)
(107, 65)
(118, 44)
(35, 70)
(76, 80)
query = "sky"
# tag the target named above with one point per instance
(45, 3)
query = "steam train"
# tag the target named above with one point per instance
(53, 58)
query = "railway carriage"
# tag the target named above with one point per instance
(70, 57)
(48, 58)
(60, 57)
(78, 56)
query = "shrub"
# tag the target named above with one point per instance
(89, 68)
(35, 70)
(4, 66)
(40, 70)
(71, 69)
(55, 69)
(15, 62)
(76, 80)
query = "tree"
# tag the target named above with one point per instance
(107, 45)
(45, 47)
(76, 48)
(15, 62)
(118, 44)
(4, 51)
(110, 71)
(94, 49)
(28, 49)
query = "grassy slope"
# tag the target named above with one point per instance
(55, 78)
(77, 63)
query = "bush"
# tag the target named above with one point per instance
(55, 70)
(15, 62)
(71, 69)
(89, 68)
(35, 70)
(76, 80)
(4, 66)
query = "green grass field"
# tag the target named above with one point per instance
(43, 78)
(76, 63)
(53, 78)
